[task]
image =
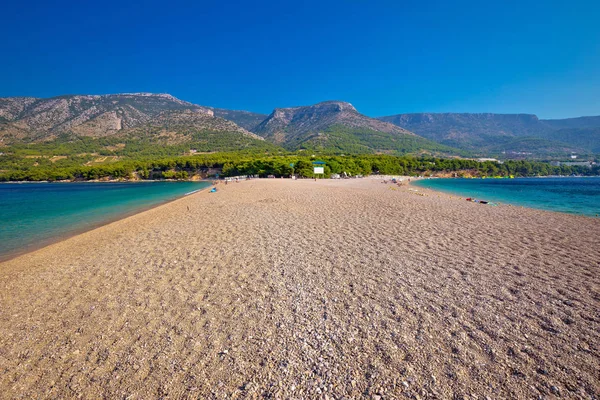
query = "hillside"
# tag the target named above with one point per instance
(146, 123)
(106, 115)
(493, 134)
(336, 126)
(246, 119)
(573, 123)
(584, 138)
(87, 115)
(162, 124)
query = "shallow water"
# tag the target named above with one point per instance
(569, 195)
(32, 214)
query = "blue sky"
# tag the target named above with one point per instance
(385, 57)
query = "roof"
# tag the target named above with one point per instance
(319, 162)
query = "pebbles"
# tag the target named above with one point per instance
(332, 290)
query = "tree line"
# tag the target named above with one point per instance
(235, 164)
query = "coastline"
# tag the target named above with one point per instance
(78, 231)
(503, 199)
(112, 181)
(289, 288)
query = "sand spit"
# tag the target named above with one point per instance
(303, 289)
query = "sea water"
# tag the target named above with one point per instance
(32, 214)
(574, 195)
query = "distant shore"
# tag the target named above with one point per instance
(297, 289)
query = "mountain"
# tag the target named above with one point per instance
(493, 134)
(246, 119)
(336, 126)
(89, 115)
(587, 139)
(573, 123)
(151, 118)
(160, 124)
(583, 132)
(285, 124)
(472, 131)
(11, 107)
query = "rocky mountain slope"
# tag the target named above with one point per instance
(330, 126)
(24, 118)
(285, 124)
(336, 126)
(495, 133)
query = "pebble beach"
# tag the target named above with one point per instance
(309, 289)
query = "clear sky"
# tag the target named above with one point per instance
(385, 57)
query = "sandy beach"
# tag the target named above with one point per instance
(303, 289)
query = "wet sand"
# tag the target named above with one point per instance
(303, 289)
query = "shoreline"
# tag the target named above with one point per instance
(356, 288)
(509, 202)
(114, 181)
(4, 257)
(48, 242)
(405, 183)
(419, 177)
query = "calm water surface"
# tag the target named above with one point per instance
(32, 214)
(568, 195)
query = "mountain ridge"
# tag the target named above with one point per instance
(333, 125)
(295, 124)
(491, 132)
(102, 115)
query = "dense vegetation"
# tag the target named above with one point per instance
(148, 142)
(12, 167)
(339, 139)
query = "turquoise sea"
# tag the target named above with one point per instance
(34, 214)
(573, 195)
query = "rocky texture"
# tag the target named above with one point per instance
(181, 120)
(337, 127)
(302, 289)
(97, 116)
(12, 107)
(488, 132)
(329, 126)
(289, 124)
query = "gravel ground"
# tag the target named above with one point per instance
(303, 289)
